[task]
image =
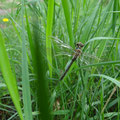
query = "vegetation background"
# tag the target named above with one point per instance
(31, 60)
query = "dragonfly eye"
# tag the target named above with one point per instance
(79, 45)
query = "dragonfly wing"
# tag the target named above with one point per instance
(61, 48)
(87, 58)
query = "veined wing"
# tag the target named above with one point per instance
(61, 48)
(66, 50)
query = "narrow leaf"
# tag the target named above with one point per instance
(9, 77)
(49, 33)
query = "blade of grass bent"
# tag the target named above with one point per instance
(100, 64)
(49, 33)
(25, 74)
(113, 80)
(9, 77)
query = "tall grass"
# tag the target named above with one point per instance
(25, 73)
(67, 15)
(50, 13)
(9, 76)
(90, 90)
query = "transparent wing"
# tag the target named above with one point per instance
(61, 48)
(61, 43)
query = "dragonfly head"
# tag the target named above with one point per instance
(79, 45)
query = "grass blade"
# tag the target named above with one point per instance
(109, 78)
(49, 33)
(9, 77)
(66, 8)
(115, 15)
(25, 74)
(41, 83)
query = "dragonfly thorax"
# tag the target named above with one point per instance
(79, 45)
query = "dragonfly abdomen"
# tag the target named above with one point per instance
(73, 59)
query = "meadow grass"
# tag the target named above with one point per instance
(30, 66)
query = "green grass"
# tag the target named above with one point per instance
(30, 64)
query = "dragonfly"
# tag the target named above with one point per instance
(78, 52)
(75, 53)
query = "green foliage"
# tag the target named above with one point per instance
(9, 76)
(66, 8)
(25, 73)
(50, 13)
(90, 90)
